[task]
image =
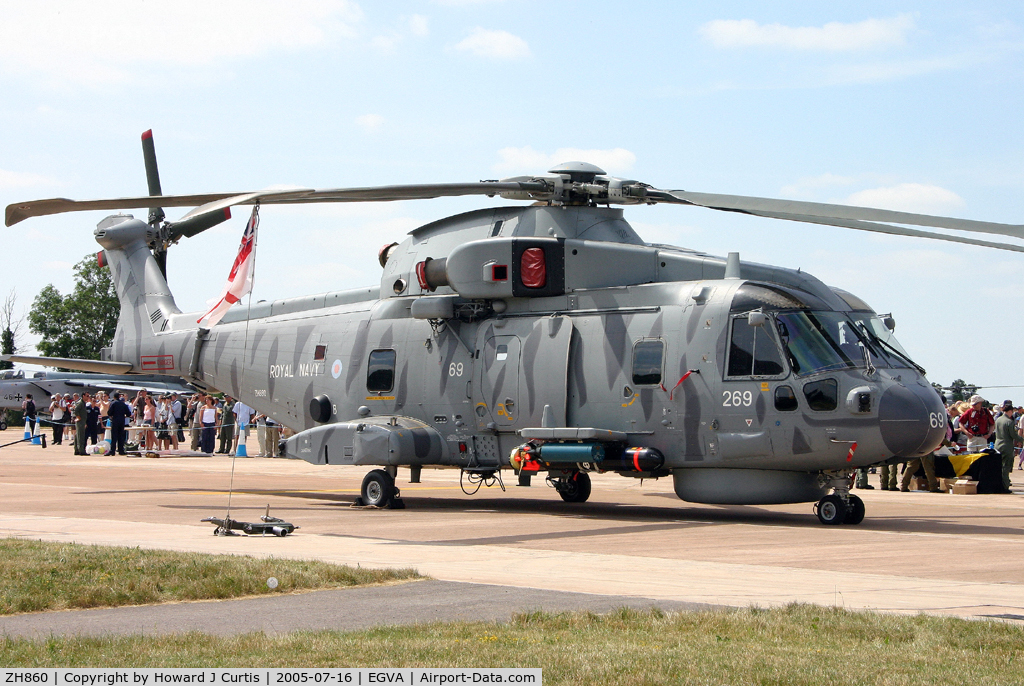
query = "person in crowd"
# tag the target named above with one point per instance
(57, 417)
(70, 419)
(261, 433)
(208, 418)
(119, 412)
(92, 420)
(149, 422)
(887, 473)
(194, 418)
(169, 430)
(928, 462)
(1006, 438)
(177, 416)
(227, 426)
(80, 413)
(977, 423)
(138, 407)
(274, 433)
(1020, 432)
(243, 418)
(28, 409)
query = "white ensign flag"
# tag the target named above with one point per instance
(240, 279)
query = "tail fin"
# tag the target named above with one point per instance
(146, 300)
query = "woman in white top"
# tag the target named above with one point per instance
(57, 417)
(208, 417)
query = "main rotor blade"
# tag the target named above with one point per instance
(883, 228)
(37, 208)
(827, 212)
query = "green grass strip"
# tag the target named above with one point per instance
(799, 644)
(38, 575)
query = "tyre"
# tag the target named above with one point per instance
(3, 425)
(378, 488)
(831, 510)
(855, 512)
(576, 489)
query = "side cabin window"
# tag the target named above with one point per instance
(753, 351)
(647, 359)
(380, 372)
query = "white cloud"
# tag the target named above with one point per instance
(833, 36)
(418, 24)
(876, 72)
(909, 197)
(463, 3)
(386, 44)
(13, 179)
(412, 25)
(370, 122)
(529, 161)
(809, 184)
(500, 45)
(105, 42)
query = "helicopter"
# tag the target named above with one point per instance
(548, 338)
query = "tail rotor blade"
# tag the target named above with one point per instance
(198, 223)
(156, 214)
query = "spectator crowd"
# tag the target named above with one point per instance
(149, 422)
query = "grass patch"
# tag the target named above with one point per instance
(799, 644)
(38, 575)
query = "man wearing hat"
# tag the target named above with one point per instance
(1006, 438)
(977, 424)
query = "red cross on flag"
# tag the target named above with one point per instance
(240, 279)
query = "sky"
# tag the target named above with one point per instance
(910, 105)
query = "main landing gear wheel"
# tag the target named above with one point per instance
(831, 510)
(575, 488)
(378, 488)
(855, 511)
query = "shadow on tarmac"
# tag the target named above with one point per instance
(632, 517)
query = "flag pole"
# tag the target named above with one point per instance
(255, 220)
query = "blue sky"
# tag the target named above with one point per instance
(913, 105)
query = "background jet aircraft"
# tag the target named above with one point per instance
(16, 383)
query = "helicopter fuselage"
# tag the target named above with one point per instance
(556, 328)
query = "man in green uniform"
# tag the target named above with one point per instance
(1006, 438)
(928, 462)
(80, 413)
(227, 425)
(888, 472)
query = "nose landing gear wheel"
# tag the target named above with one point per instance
(855, 512)
(831, 510)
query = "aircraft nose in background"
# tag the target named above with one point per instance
(912, 420)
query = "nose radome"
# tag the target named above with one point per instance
(912, 420)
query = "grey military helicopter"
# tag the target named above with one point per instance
(550, 338)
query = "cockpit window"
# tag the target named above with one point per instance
(820, 341)
(887, 350)
(753, 351)
(756, 296)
